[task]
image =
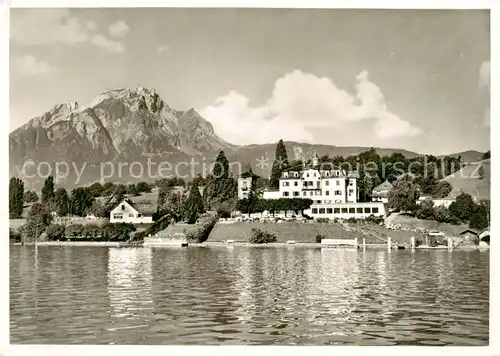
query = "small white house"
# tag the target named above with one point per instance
(127, 212)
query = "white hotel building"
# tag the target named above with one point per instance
(334, 192)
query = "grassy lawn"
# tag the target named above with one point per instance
(299, 232)
(412, 222)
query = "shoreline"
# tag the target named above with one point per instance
(219, 244)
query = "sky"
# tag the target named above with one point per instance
(412, 79)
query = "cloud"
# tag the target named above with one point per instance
(484, 74)
(30, 65)
(163, 48)
(112, 46)
(118, 29)
(48, 26)
(301, 103)
(91, 25)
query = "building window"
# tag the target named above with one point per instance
(327, 174)
(285, 174)
(352, 210)
(314, 210)
(338, 192)
(304, 193)
(328, 202)
(296, 183)
(338, 182)
(344, 210)
(295, 194)
(318, 201)
(310, 193)
(328, 210)
(327, 193)
(367, 210)
(351, 183)
(321, 210)
(327, 182)
(307, 175)
(123, 206)
(285, 194)
(375, 210)
(318, 192)
(359, 210)
(336, 210)
(130, 215)
(351, 191)
(117, 216)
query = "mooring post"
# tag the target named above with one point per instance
(356, 243)
(364, 243)
(389, 244)
(450, 243)
(412, 242)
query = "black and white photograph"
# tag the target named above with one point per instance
(248, 176)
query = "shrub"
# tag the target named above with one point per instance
(441, 214)
(92, 232)
(320, 237)
(74, 232)
(352, 220)
(222, 212)
(200, 232)
(372, 219)
(425, 210)
(56, 232)
(14, 236)
(261, 237)
(323, 220)
(117, 232)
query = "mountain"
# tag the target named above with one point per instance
(118, 126)
(467, 156)
(125, 135)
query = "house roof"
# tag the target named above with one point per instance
(473, 231)
(144, 206)
(385, 186)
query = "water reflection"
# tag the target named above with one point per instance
(129, 282)
(248, 296)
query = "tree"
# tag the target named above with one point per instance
(81, 201)
(404, 195)
(479, 217)
(97, 209)
(462, 207)
(61, 201)
(132, 190)
(425, 210)
(108, 189)
(56, 232)
(170, 202)
(16, 198)
(143, 187)
(38, 220)
(120, 191)
(443, 215)
(487, 154)
(30, 196)
(96, 189)
(48, 189)
(280, 163)
(442, 190)
(193, 206)
(220, 186)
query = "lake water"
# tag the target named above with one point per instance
(94, 295)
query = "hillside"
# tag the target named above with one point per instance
(467, 180)
(467, 156)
